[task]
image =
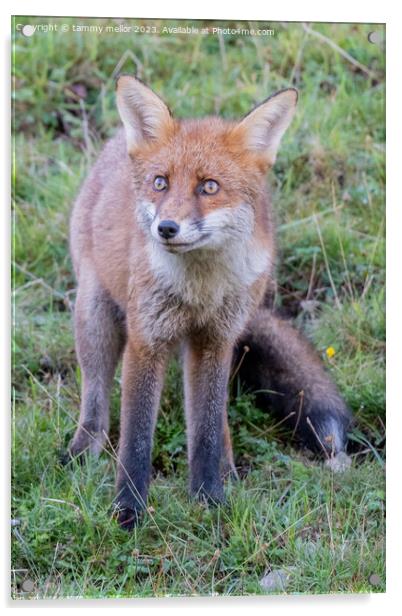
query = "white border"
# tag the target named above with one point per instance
(341, 11)
(308, 10)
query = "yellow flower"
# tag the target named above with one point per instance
(330, 352)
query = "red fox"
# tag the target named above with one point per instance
(173, 243)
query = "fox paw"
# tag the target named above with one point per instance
(128, 518)
(209, 494)
(66, 457)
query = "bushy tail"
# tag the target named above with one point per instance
(290, 380)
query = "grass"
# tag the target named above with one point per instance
(328, 187)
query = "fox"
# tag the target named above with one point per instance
(172, 239)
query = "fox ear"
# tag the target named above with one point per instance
(265, 125)
(144, 115)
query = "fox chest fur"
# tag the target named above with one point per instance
(179, 295)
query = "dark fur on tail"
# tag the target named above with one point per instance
(290, 380)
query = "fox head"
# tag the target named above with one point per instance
(199, 183)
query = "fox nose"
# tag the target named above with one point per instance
(168, 229)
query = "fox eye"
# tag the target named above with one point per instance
(209, 187)
(160, 183)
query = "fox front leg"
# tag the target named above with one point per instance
(206, 370)
(143, 372)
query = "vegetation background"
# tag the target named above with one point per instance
(288, 512)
